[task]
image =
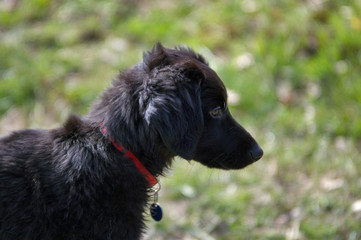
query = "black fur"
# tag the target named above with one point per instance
(72, 183)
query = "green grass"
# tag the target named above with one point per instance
(294, 66)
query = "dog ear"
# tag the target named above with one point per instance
(175, 110)
(156, 57)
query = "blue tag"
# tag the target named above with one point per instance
(156, 212)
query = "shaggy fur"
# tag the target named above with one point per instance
(72, 183)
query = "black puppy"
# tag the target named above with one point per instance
(79, 181)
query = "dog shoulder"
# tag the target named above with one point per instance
(73, 127)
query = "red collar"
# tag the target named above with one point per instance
(150, 178)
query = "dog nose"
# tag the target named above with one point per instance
(256, 152)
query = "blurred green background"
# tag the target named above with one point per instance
(293, 71)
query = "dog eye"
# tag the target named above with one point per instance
(216, 112)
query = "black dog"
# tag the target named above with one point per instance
(79, 182)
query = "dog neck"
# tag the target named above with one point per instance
(140, 167)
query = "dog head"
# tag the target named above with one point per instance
(186, 103)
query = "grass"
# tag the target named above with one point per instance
(293, 68)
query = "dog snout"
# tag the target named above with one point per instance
(256, 152)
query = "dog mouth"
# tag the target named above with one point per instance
(228, 159)
(230, 164)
